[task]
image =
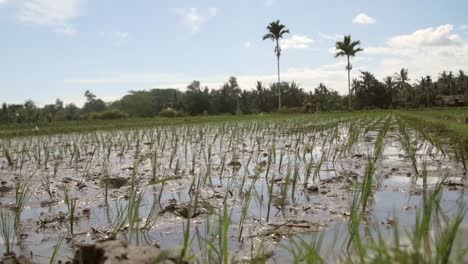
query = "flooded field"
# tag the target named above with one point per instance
(313, 188)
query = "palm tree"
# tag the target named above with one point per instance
(462, 81)
(348, 48)
(402, 79)
(390, 84)
(425, 84)
(276, 31)
(447, 79)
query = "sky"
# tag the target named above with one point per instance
(60, 48)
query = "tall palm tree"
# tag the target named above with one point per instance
(402, 79)
(348, 48)
(390, 84)
(276, 31)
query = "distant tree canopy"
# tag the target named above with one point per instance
(397, 91)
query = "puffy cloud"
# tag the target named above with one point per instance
(439, 36)
(364, 19)
(424, 52)
(193, 18)
(296, 42)
(54, 13)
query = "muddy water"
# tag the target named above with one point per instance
(311, 174)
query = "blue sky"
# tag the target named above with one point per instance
(61, 48)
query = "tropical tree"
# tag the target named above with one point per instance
(370, 93)
(276, 31)
(447, 79)
(349, 49)
(390, 85)
(462, 82)
(402, 80)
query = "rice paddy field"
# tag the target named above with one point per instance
(360, 187)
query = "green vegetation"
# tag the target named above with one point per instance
(393, 92)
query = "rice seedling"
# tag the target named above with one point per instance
(303, 251)
(106, 181)
(53, 258)
(46, 185)
(7, 227)
(71, 206)
(22, 195)
(247, 199)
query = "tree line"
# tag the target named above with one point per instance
(368, 92)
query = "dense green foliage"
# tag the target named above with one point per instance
(368, 93)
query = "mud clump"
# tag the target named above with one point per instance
(5, 188)
(115, 182)
(12, 259)
(116, 251)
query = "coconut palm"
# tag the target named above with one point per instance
(349, 49)
(276, 31)
(402, 79)
(390, 85)
(425, 84)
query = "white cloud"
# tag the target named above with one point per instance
(55, 13)
(440, 36)
(334, 37)
(193, 18)
(3, 2)
(424, 52)
(247, 44)
(364, 19)
(296, 42)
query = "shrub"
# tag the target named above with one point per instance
(292, 110)
(109, 114)
(169, 112)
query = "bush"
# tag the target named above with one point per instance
(109, 115)
(292, 110)
(169, 112)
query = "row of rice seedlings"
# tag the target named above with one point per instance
(454, 131)
(408, 144)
